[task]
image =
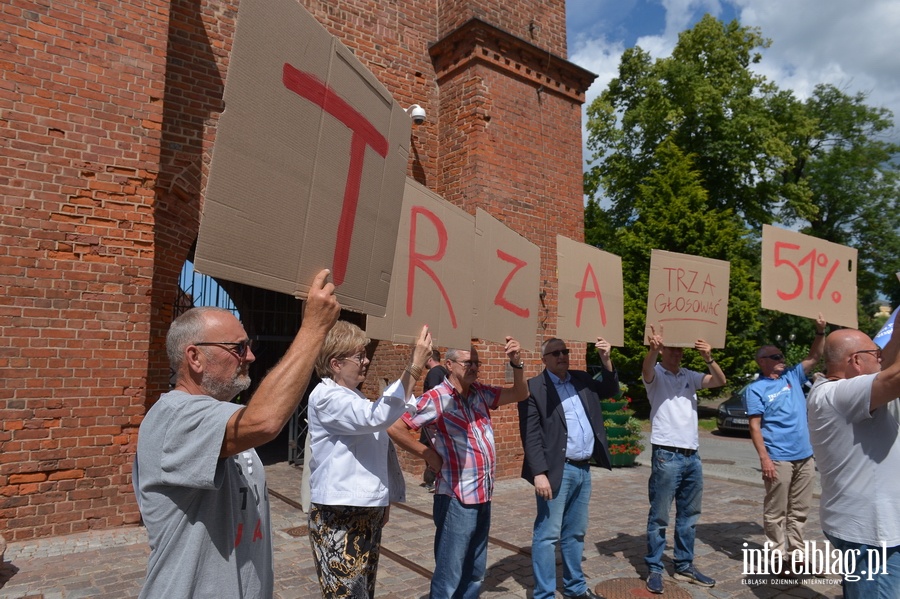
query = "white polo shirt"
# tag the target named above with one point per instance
(673, 407)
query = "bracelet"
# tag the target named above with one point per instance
(710, 362)
(818, 334)
(518, 366)
(414, 371)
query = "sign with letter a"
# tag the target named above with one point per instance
(591, 300)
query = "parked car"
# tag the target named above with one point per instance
(731, 417)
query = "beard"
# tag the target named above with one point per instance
(225, 389)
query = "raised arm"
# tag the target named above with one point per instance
(715, 378)
(655, 341)
(886, 386)
(519, 389)
(609, 386)
(281, 390)
(420, 354)
(816, 348)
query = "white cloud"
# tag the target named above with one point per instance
(852, 45)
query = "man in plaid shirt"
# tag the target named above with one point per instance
(456, 416)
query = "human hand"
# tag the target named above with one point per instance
(321, 309)
(654, 340)
(422, 350)
(769, 472)
(542, 487)
(512, 351)
(704, 348)
(603, 347)
(820, 323)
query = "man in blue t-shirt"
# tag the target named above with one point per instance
(776, 406)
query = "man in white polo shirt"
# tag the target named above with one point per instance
(676, 473)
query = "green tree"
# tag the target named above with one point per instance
(853, 181)
(673, 214)
(761, 156)
(708, 101)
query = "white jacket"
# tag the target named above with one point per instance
(349, 445)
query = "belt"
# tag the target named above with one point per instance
(580, 463)
(681, 450)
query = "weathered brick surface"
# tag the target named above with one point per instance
(108, 114)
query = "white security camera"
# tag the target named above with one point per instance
(416, 113)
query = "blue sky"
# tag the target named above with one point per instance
(852, 44)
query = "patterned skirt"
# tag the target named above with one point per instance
(345, 542)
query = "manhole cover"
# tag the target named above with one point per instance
(627, 588)
(298, 531)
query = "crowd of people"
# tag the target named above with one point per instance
(201, 487)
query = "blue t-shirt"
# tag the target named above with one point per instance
(782, 405)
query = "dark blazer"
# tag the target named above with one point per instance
(542, 423)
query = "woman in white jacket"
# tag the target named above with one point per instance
(350, 471)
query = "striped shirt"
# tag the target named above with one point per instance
(461, 432)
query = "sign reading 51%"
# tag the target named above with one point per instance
(805, 275)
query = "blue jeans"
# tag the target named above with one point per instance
(875, 583)
(563, 521)
(460, 547)
(680, 478)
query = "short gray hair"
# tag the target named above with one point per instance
(546, 343)
(188, 329)
(453, 354)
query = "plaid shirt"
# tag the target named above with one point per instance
(460, 431)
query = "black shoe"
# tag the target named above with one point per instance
(588, 594)
(694, 576)
(655, 583)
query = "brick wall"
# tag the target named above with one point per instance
(80, 117)
(108, 115)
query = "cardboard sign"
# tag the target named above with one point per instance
(805, 275)
(507, 275)
(433, 272)
(309, 163)
(688, 296)
(591, 300)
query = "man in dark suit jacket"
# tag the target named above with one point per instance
(561, 424)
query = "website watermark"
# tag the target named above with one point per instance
(817, 559)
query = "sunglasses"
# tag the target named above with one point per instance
(557, 352)
(776, 357)
(240, 348)
(875, 352)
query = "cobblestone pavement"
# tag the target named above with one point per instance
(110, 564)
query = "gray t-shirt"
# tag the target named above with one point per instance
(207, 518)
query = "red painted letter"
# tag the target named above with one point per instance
(583, 294)
(501, 301)
(364, 134)
(417, 260)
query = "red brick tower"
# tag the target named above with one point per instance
(108, 114)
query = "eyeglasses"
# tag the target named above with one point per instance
(469, 363)
(874, 352)
(240, 348)
(358, 358)
(776, 357)
(557, 352)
